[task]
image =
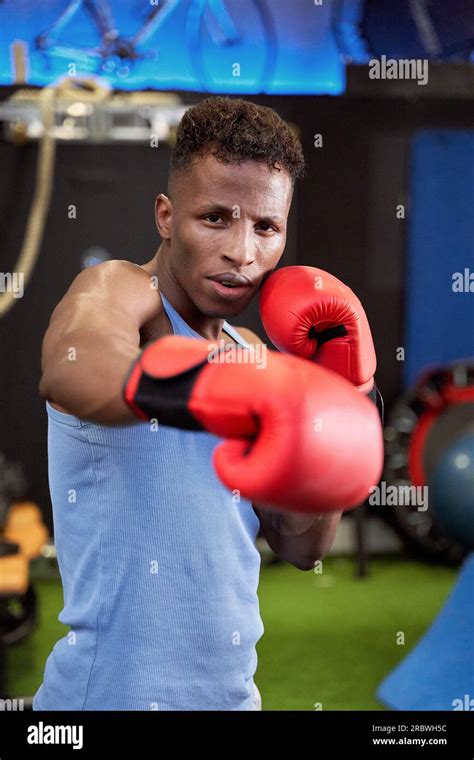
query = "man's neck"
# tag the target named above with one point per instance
(208, 327)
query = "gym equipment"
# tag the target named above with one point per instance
(435, 446)
(426, 421)
(24, 534)
(452, 491)
(235, 46)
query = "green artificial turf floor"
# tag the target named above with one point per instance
(329, 638)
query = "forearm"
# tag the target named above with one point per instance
(303, 539)
(87, 378)
(297, 538)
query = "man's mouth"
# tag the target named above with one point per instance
(230, 279)
(230, 285)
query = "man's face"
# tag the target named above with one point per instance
(227, 218)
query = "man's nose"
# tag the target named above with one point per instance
(241, 250)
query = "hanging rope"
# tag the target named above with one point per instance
(86, 90)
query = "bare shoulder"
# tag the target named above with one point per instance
(111, 274)
(114, 285)
(113, 295)
(249, 335)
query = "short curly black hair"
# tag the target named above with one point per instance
(236, 130)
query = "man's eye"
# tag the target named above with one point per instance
(265, 225)
(213, 217)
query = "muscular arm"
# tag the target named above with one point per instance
(93, 338)
(296, 538)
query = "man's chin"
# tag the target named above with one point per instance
(224, 310)
(225, 313)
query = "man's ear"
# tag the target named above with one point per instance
(163, 215)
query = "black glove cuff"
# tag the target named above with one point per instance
(376, 397)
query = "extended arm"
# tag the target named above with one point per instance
(93, 338)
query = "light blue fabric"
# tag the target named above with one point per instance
(159, 570)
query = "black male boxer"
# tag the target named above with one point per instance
(173, 439)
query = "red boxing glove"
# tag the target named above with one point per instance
(310, 313)
(298, 437)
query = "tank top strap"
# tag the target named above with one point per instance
(181, 327)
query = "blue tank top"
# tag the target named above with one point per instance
(159, 569)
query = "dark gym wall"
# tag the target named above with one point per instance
(113, 188)
(342, 219)
(346, 216)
